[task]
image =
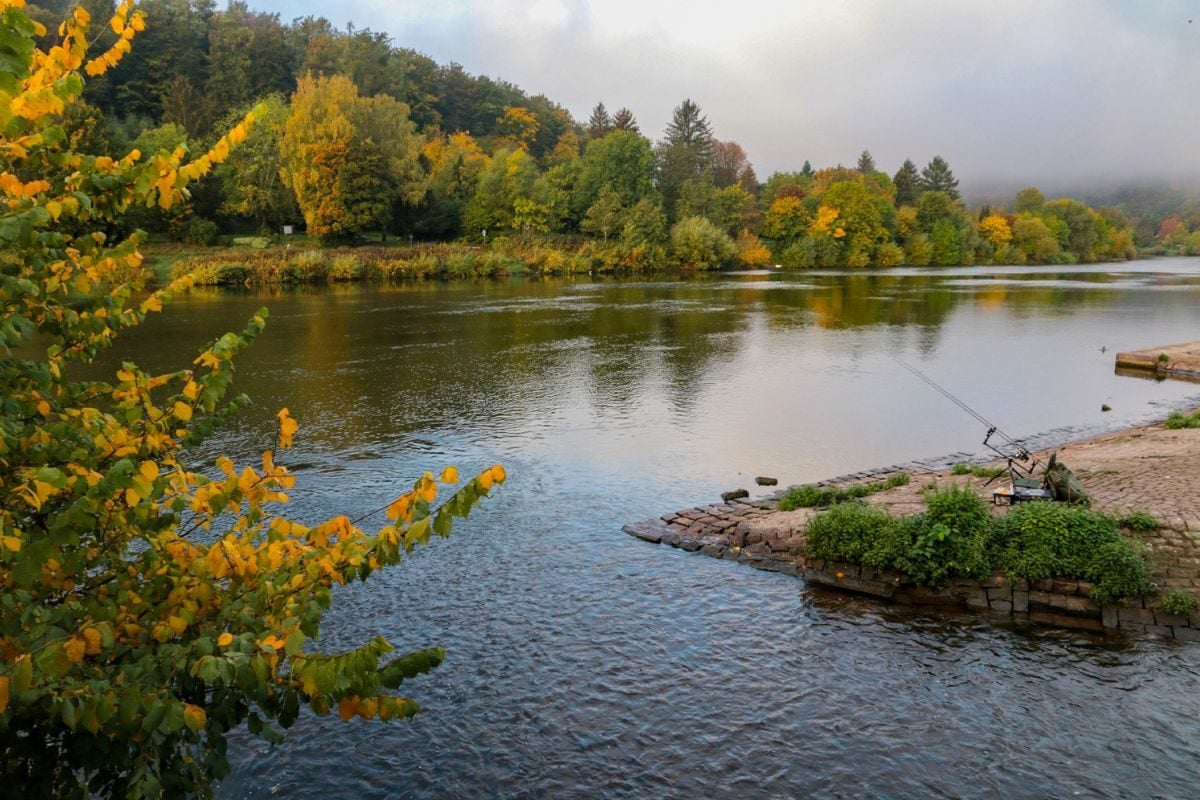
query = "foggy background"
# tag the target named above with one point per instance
(1068, 95)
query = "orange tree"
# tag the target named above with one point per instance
(147, 607)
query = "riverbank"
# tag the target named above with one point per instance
(259, 262)
(1149, 469)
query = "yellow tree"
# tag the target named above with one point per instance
(149, 606)
(996, 230)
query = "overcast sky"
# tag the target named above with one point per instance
(1009, 91)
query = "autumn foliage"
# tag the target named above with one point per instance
(149, 604)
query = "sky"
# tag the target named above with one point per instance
(1010, 92)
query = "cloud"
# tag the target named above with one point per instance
(1018, 92)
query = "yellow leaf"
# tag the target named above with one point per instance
(75, 648)
(55, 208)
(399, 506)
(132, 497)
(191, 389)
(225, 639)
(91, 638)
(347, 708)
(178, 624)
(182, 410)
(12, 543)
(152, 303)
(449, 475)
(486, 480)
(194, 717)
(148, 470)
(43, 408)
(498, 473)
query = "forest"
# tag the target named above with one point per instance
(356, 138)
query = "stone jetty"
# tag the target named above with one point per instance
(1172, 360)
(1148, 468)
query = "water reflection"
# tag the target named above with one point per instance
(584, 663)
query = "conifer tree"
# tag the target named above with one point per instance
(624, 120)
(866, 164)
(600, 122)
(908, 183)
(937, 177)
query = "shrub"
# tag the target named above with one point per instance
(847, 532)
(1141, 521)
(949, 539)
(345, 268)
(201, 231)
(1179, 602)
(1118, 569)
(696, 243)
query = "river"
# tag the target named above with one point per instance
(584, 663)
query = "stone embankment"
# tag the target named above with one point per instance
(1148, 469)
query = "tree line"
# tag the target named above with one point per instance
(357, 136)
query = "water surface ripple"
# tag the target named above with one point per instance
(582, 663)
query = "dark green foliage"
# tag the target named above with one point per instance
(201, 231)
(908, 183)
(1179, 420)
(1179, 602)
(949, 539)
(815, 497)
(848, 532)
(1141, 521)
(938, 177)
(957, 537)
(1118, 569)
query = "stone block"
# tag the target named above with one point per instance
(1160, 630)
(1039, 598)
(976, 599)
(1020, 602)
(1065, 621)
(1173, 620)
(1065, 587)
(1000, 594)
(1004, 606)
(690, 545)
(994, 582)
(713, 550)
(1138, 616)
(1044, 585)
(1187, 634)
(1110, 616)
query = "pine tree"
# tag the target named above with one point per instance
(685, 153)
(866, 164)
(624, 120)
(600, 122)
(908, 183)
(937, 177)
(807, 170)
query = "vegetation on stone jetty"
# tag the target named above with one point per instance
(147, 605)
(958, 537)
(810, 496)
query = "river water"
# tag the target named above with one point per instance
(584, 663)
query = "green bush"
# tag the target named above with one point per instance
(950, 539)
(696, 243)
(1044, 539)
(1179, 602)
(201, 231)
(847, 532)
(345, 268)
(1118, 569)
(1141, 521)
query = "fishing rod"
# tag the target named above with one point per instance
(1010, 449)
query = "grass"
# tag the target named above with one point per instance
(1178, 420)
(963, 468)
(1140, 521)
(815, 497)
